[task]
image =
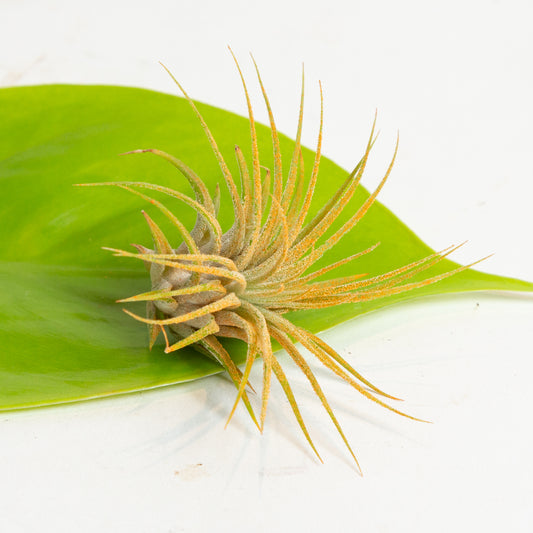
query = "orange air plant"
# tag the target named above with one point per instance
(242, 282)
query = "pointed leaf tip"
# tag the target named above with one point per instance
(138, 151)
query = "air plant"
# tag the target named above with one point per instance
(241, 283)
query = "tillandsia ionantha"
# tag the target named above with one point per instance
(240, 283)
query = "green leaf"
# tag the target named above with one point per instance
(63, 337)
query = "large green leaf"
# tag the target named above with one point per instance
(63, 338)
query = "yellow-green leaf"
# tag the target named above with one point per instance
(63, 337)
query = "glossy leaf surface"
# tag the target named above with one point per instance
(63, 337)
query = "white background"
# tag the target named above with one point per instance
(456, 79)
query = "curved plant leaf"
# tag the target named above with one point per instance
(63, 337)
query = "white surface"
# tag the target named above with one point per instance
(456, 79)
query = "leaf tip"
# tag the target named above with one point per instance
(138, 151)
